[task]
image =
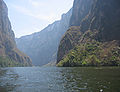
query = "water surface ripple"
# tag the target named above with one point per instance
(58, 79)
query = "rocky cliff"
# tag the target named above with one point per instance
(81, 8)
(94, 37)
(7, 43)
(42, 46)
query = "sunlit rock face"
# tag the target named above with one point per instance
(81, 9)
(7, 42)
(42, 46)
(92, 20)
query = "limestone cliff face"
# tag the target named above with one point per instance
(80, 9)
(42, 46)
(98, 20)
(7, 42)
(104, 16)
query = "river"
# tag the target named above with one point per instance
(58, 79)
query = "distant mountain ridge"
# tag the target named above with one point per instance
(42, 46)
(8, 49)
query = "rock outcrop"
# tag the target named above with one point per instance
(81, 8)
(8, 47)
(94, 22)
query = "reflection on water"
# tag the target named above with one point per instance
(54, 79)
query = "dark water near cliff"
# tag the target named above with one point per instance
(53, 79)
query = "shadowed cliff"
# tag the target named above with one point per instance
(8, 49)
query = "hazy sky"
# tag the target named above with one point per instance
(29, 16)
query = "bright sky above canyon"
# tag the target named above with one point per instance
(29, 16)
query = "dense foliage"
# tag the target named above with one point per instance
(92, 54)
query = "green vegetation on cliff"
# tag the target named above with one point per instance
(92, 54)
(93, 38)
(7, 62)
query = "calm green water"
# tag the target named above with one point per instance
(54, 79)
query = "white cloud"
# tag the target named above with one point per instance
(49, 18)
